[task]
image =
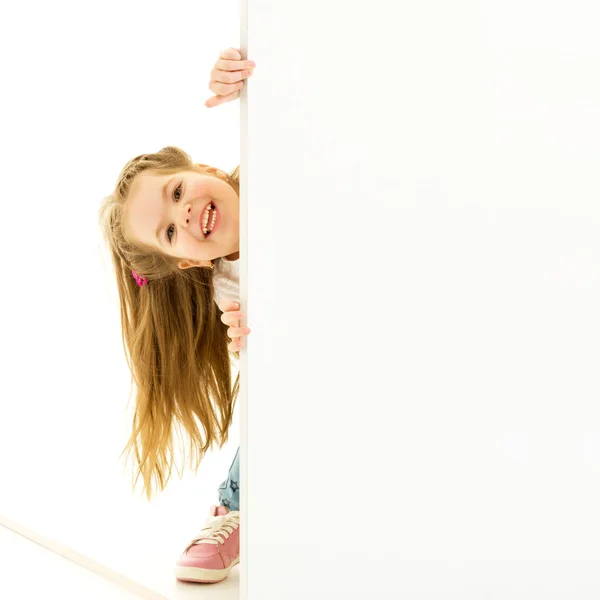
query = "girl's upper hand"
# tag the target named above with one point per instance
(231, 316)
(227, 77)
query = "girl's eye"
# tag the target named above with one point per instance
(177, 189)
(177, 198)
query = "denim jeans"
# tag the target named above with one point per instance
(229, 490)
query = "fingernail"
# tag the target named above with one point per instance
(252, 63)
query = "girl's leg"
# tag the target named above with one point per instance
(229, 490)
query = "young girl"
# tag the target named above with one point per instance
(172, 228)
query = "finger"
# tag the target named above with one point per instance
(224, 89)
(232, 318)
(236, 332)
(217, 77)
(236, 346)
(216, 100)
(232, 53)
(226, 305)
(232, 65)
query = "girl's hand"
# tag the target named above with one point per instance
(227, 77)
(231, 316)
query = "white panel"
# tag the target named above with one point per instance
(423, 289)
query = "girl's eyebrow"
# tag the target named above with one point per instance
(164, 200)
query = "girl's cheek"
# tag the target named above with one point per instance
(201, 189)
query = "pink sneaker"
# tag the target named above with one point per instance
(216, 550)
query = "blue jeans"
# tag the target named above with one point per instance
(229, 490)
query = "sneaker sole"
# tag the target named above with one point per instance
(198, 575)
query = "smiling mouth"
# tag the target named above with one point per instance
(208, 219)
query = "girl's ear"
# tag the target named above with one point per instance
(188, 264)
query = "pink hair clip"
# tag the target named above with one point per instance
(141, 281)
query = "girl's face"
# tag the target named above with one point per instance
(167, 212)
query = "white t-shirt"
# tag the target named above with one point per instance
(226, 280)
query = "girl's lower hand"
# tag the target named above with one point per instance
(227, 77)
(231, 316)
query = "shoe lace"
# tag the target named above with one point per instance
(217, 529)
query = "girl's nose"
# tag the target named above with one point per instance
(186, 215)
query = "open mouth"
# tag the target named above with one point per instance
(208, 219)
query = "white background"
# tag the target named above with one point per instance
(423, 287)
(85, 89)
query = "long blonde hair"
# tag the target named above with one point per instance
(174, 340)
